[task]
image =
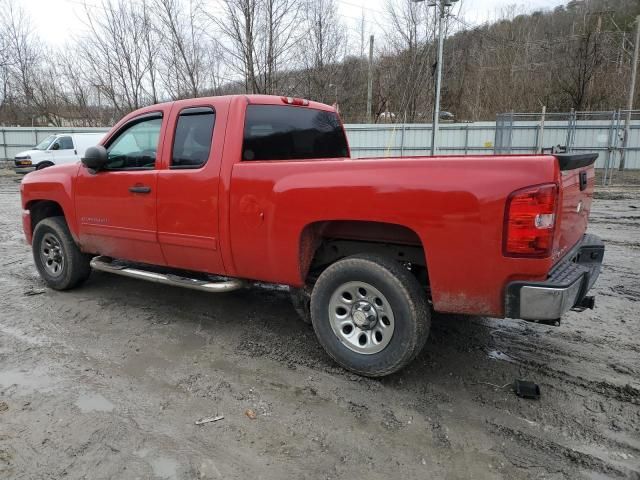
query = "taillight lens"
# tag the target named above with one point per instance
(530, 221)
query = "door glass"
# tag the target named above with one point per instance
(66, 143)
(135, 147)
(192, 142)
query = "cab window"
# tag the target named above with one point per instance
(65, 143)
(135, 147)
(279, 132)
(192, 141)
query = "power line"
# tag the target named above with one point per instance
(345, 2)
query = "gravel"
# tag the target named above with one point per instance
(106, 381)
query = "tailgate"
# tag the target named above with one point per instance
(577, 183)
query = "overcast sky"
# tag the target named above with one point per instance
(57, 20)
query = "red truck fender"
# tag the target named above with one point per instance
(47, 193)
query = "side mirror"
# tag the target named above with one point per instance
(55, 146)
(95, 157)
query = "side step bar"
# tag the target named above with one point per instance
(106, 264)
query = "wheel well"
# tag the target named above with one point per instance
(41, 209)
(323, 243)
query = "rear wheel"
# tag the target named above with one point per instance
(58, 259)
(370, 314)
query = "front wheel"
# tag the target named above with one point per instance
(43, 165)
(58, 259)
(370, 314)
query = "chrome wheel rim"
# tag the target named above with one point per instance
(361, 317)
(52, 255)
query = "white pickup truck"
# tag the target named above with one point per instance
(56, 150)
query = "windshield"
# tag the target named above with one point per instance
(43, 145)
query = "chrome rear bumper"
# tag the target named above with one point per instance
(565, 288)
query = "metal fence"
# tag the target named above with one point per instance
(17, 139)
(400, 140)
(601, 132)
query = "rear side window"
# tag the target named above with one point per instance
(274, 132)
(192, 142)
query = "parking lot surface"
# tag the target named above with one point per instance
(106, 381)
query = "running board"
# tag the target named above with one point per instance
(106, 264)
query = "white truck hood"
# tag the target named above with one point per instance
(32, 153)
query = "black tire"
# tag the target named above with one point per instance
(74, 267)
(407, 301)
(42, 165)
(301, 300)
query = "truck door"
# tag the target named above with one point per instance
(64, 150)
(188, 185)
(116, 207)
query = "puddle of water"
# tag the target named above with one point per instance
(26, 382)
(498, 355)
(93, 402)
(164, 467)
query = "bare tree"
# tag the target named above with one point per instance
(583, 57)
(259, 38)
(23, 55)
(278, 36)
(321, 48)
(185, 45)
(151, 40)
(114, 54)
(410, 45)
(5, 64)
(239, 24)
(144, 51)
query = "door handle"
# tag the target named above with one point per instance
(583, 181)
(140, 189)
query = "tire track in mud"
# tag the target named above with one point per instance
(537, 354)
(561, 452)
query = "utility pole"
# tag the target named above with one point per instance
(632, 93)
(442, 6)
(370, 80)
(540, 140)
(436, 107)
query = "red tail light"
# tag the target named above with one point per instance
(530, 220)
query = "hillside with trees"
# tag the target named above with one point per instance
(139, 52)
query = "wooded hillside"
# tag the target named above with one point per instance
(134, 53)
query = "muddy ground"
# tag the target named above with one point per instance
(107, 381)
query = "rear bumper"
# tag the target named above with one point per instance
(565, 288)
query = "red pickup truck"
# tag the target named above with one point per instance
(211, 193)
